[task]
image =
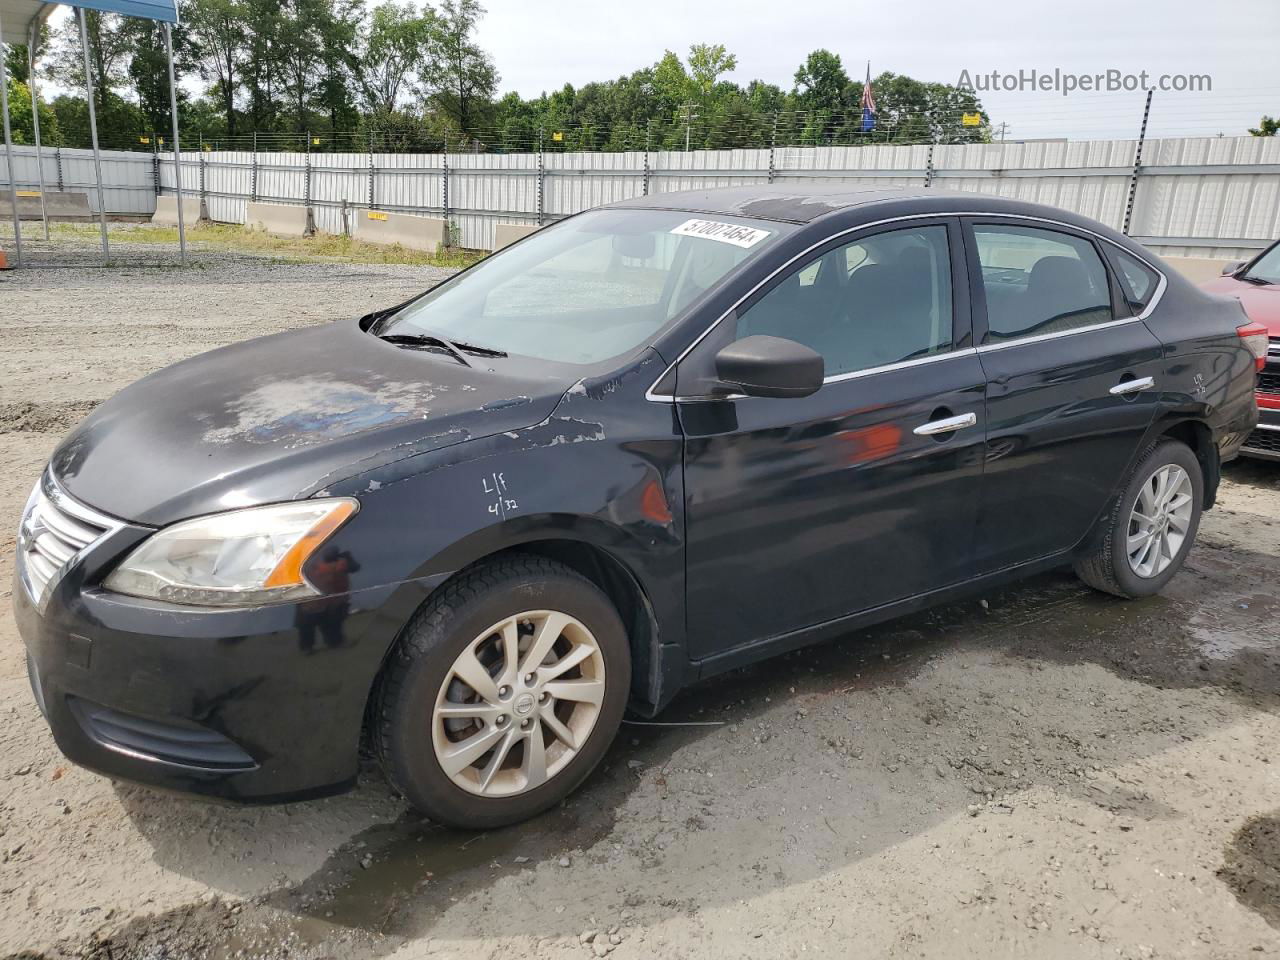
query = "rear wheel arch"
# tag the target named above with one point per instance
(1197, 435)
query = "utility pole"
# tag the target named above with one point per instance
(689, 116)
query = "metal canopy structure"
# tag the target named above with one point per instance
(20, 22)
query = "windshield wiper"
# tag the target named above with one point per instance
(479, 351)
(426, 340)
(1260, 281)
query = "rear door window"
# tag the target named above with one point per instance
(1039, 281)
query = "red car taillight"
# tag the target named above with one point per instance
(1254, 338)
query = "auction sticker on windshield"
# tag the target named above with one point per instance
(734, 233)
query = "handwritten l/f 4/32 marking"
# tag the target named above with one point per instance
(495, 485)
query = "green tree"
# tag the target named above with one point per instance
(821, 82)
(1267, 127)
(219, 32)
(147, 69)
(15, 61)
(672, 85)
(339, 63)
(20, 117)
(707, 63)
(110, 46)
(462, 78)
(119, 122)
(397, 47)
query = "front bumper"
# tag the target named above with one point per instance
(257, 704)
(1264, 442)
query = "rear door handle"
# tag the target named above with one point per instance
(946, 425)
(1133, 386)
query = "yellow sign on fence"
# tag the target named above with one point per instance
(144, 139)
(971, 119)
(377, 215)
(28, 193)
(557, 135)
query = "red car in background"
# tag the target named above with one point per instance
(1256, 284)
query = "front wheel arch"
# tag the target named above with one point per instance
(650, 686)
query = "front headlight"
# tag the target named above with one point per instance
(240, 558)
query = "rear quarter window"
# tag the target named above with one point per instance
(1137, 280)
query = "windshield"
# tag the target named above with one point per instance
(1267, 268)
(587, 289)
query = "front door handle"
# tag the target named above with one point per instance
(1133, 386)
(946, 425)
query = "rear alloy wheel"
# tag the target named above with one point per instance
(1145, 536)
(1159, 521)
(503, 693)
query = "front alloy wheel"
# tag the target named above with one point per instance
(503, 693)
(518, 703)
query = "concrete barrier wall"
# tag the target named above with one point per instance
(506, 234)
(285, 218)
(415, 233)
(167, 211)
(59, 206)
(1197, 269)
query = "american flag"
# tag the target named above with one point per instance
(868, 103)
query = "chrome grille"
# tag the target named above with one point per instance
(1269, 376)
(54, 531)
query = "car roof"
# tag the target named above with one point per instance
(792, 203)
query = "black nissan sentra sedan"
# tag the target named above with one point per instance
(652, 442)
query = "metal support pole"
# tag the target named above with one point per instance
(928, 167)
(93, 133)
(445, 187)
(644, 185)
(35, 122)
(306, 186)
(542, 171)
(372, 171)
(155, 163)
(773, 142)
(253, 170)
(8, 155)
(1137, 166)
(177, 145)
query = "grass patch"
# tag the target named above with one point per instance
(236, 239)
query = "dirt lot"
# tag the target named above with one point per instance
(1043, 773)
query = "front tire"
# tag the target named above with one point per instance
(503, 694)
(1144, 538)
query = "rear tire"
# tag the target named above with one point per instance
(478, 721)
(1145, 536)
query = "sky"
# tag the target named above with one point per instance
(543, 44)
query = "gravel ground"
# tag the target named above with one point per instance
(1046, 772)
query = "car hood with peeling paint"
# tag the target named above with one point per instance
(284, 416)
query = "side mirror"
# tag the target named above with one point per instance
(1229, 270)
(770, 367)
